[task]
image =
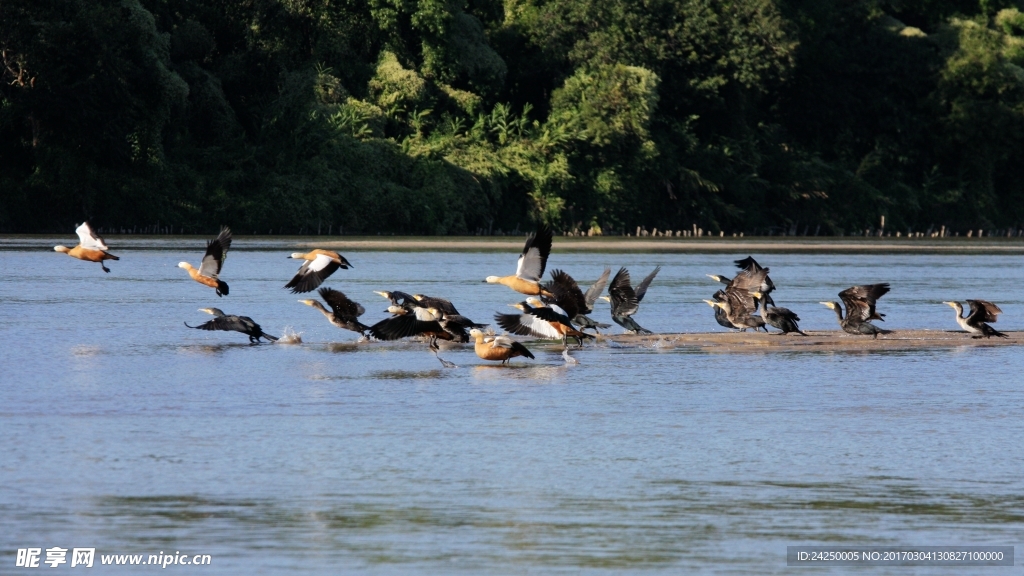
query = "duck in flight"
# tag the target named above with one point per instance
(497, 348)
(542, 320)
(344, 313)
(230, 322)
(90, 248)
(317, 266)
(982, 311)
(860, 309)
(530, 268)
(208, 273)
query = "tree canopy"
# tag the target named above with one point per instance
(451, 116)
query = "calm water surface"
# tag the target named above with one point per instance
(125, 431)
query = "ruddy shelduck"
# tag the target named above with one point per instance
(91, 247)
(497, 348)
(209, 270)
(318, 265)
(530, 268)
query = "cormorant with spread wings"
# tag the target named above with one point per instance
(739, 307)
(344, 313)
(982, 311)
(625, 301)
(860, 309)
(230, 322)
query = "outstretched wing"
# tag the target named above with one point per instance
(526, 325)
(595, 290)
(748, 263)
(741, 303)
(642, 288)
(860, 301)
(341, 305)
(869, 292)
(440, 303)
(312, 273)
(398, 327)
(567, 293)
(534, 258)
(216, 253)
(623, 298)
(89, 239)
(749, 280)
(985, 311)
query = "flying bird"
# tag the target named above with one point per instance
(317, 266)
(625, 300)
(530, 268)
(344, 313)
(90, 248)
(230, 322)
(208, 273)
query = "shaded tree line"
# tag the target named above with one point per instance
(451, 116)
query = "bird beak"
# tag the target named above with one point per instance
(756, 294)
(710, 303)
(606, 298)
(712, 276)
(381, 293)
(826, 304)
(950, 304)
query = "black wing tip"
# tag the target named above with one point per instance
(222, 288)
(523, 350)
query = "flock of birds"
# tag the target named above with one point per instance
(556, 309)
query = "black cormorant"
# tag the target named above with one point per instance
(982, 311)
(230, 322)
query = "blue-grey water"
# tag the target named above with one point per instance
(126, 431)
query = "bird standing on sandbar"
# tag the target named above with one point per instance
(233, 323)
(318, 265)
(209, 270)
(530, 268)
(91, 247)
(739, 306)
(496, 348)
(982, 311)
(344, 313)
(860, 309)
(782, 318)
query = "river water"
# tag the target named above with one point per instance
(126, 431)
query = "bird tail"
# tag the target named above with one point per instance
(523, 350)
(269, 337)
(222, 288)
(110, 256)
(998, 333)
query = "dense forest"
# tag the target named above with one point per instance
(456, 116)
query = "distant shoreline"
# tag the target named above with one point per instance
(561, 243)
